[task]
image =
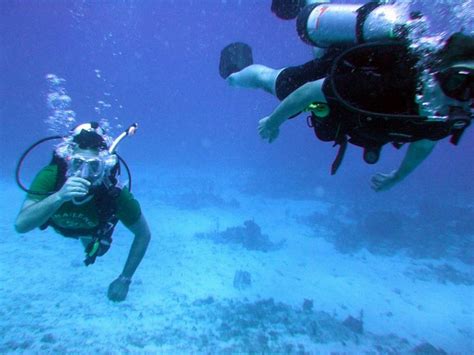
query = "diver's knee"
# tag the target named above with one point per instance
(254, 76)
(262, 72)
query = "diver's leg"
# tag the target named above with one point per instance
(255, 76)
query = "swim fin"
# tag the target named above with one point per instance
(235, 57)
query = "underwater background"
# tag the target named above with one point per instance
(255, 247)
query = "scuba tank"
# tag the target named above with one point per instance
(324, 24)
(289, 9)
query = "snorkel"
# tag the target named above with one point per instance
(130, 131)
(65, 148)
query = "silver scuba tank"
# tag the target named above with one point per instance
(325, 24)
(289, 9)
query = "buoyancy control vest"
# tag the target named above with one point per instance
(371, 90)
(106, 204)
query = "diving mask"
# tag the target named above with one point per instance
(92, 168)
(457, 82)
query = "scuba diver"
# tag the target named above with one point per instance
(78, 194)
(366, 88)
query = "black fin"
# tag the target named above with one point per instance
(287, 9)
(235, 57)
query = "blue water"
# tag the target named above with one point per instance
(156, 63)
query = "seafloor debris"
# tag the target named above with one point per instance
(427, 349)
(308, 305)
(356, 325)
(206, 325)
(249, 236)
(265, 326)
(242, 280)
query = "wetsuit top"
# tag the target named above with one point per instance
(82, 217)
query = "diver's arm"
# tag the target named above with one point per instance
(298, 101)
(417, 152)
(293, 104)
(139, 246)
(118, 289)
(34, 214)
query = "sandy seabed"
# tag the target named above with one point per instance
(182, 298)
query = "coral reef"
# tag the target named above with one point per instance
(427, 349)
(356, 325)
(266, 326)
(433, 232)
(249, 236)
(443, 274)
(206, 325)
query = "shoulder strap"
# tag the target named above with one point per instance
(106, 203)
(62, 170)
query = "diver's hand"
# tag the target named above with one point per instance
(267, 129)
(118, 289)
(383, 182)
(74, 187)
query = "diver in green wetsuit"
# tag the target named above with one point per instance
(78, 195)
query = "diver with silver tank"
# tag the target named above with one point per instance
(366, 89)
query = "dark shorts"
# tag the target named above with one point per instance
(292, 78)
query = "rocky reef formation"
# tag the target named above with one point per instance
(432, 231)
(248, 236)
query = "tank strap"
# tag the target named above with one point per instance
(456, 136)
(106, 202)
(340, 154)
(459, 123)
(62, 170)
